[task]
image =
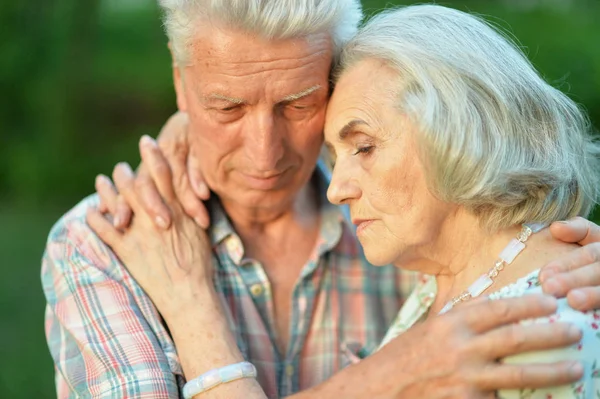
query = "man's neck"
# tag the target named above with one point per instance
(255, 225)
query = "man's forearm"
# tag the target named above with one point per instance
(371, 378)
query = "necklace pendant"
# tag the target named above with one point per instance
(481, 284)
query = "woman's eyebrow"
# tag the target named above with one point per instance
(349, 127)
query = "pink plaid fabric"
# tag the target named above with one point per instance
(108, 341)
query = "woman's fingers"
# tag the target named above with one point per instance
(125, 182)
(107, 194)
(158, 168)
(104, 229)
(188, 183)
(112, 202)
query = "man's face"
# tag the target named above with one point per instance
(256, 110)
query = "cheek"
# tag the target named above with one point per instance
(392, 191)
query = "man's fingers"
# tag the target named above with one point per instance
(560, 284)
(518, 338)
(584, 299)
(575, 259)
(151, 200)
(512, 376)
(576, 230)
(488, 315)
(103, 228)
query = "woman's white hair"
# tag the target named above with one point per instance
(271, 19)
(494, 136)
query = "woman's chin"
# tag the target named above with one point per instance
(376, 257)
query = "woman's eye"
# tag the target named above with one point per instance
(363, 150)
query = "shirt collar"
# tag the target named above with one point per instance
(334, 220)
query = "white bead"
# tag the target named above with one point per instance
(511, 251)
(480, 285)
(499, 265)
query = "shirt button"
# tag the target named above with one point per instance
(289, 370)
(256, 290)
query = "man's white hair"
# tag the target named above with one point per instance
(493, 135)
(271, 19)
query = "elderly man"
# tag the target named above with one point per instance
(253, 76)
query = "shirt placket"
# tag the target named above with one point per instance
(288, 364)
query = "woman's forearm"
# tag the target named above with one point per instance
(204, 342)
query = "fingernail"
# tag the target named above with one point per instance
(549, 301)
(574, 332)
(147, 141)
(117, 221)
(547, 273)
(203, 190)
(577, 298)
(551, 286)
(161, 222)
(100, 179)
(576, 369)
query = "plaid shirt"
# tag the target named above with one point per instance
(108, 340)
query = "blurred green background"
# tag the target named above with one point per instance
(81, 81)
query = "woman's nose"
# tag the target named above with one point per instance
(343, 187)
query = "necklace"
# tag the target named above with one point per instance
(506, 257)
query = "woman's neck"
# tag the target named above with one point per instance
(464, 251)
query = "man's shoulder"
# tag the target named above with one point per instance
(72, 227)
(73, 221)
(73, 244)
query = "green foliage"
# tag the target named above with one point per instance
(81, 81)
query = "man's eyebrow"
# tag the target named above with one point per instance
(219, 96)
(303, 93)
(349, 127)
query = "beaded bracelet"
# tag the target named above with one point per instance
(218, 376)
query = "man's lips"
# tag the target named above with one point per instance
(265, 181)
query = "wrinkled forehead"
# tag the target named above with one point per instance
(218, 46)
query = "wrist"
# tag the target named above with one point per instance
(200, 304)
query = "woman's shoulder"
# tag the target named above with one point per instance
(529, 284)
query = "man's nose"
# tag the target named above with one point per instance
(264, 142)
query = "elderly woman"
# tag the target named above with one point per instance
(453, 156)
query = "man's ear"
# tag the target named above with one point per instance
(178, 81)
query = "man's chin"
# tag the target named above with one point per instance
(260, 199)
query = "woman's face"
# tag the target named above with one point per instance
(377, 172)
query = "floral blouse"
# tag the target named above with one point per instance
(587, 351)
